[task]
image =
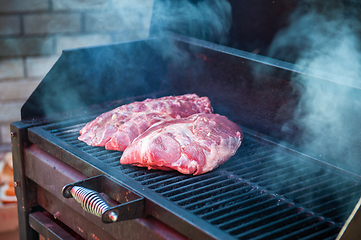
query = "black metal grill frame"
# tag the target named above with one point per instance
(265, 191)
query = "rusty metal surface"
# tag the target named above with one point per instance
(86, 227)
(48, 228)
(25, 189)
(144, 228)
(55, 175)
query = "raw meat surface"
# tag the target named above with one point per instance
(192, 145)
(118, 128)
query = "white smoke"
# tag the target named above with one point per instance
(329, 114)
(204, 19)
(127, 21)
(208, 20)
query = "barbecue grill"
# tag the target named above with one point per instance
(269, 189)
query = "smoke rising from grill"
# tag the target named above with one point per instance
(122, 21)
(327, 42)
(206, 19)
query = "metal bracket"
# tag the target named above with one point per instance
(106, 198)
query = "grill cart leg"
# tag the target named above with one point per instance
(25, 189)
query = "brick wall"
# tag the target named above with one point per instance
(34, 32)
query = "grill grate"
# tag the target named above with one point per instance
(262, 192)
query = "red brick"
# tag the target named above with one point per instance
(14, 47)
(68, 42)
(38, 67)
(148, 4)
(10, 111)
(5, 133)
(11, 68)
(112, 21)
(17, 90)
(9, 25)
(79, 4)
(46, 23)
(11, 6)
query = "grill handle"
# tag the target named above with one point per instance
(92, 201)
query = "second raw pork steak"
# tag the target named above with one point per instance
(192, 145)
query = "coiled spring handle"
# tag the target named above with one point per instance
(131, 205)
(92, 202)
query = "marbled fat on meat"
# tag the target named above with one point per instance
(192, 145)
(118, 128)
(127, 132)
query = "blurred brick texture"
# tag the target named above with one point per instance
(33, 34)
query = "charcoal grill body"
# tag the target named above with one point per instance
(297, 195)
(267, 190)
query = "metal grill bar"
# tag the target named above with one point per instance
(249, 206)
(305, 225)
(185, 182)
(242, 194)
(310, 199)
(315, 231)
(234, 222)
(291, 222)
(244, 226)
(202, 186)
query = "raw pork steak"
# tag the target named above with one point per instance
(118, 128)
(192, 145)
